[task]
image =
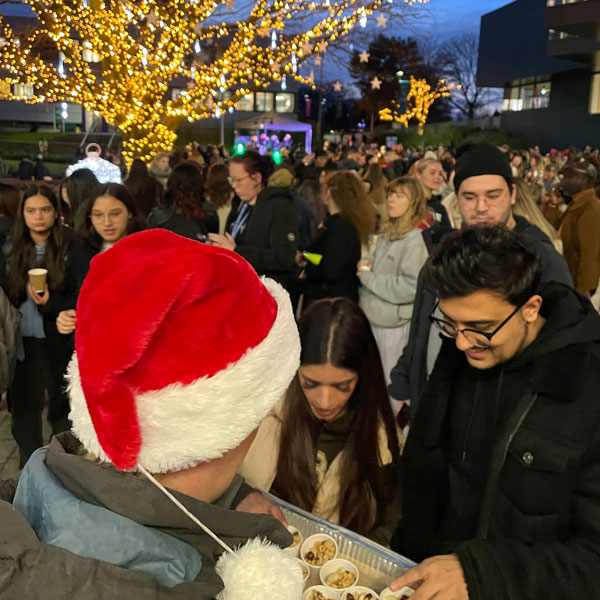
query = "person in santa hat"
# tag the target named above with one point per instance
(168, 384)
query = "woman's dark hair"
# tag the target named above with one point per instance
(145, 191)
(79, 187)
(185, 190)
(253, 162)
(121, 193)
(336, 331)
(483, 258)
(218, 188)
(10, 197)
(22, 255)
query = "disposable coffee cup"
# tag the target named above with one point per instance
(37, 279)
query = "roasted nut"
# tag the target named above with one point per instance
(340, 579)
(320, 553)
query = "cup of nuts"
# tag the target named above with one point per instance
(318, 549)
(402, 594)
(360, 592)
(294, 549)
(339, 574)
(320, 592)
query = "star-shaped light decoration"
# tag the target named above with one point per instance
(322, 46)
(190, 84)
(311, 77)
(243, 65)
(382, 21)
(151, 18)
(376, 83)
(230, 4)
(337, 86)
(198, 28)
(264, 32)
(364, 56)
(318, 60)
(307, 48)
(275, 67)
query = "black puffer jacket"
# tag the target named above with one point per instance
(270, 236)
(536, 527)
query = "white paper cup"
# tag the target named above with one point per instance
(329, 593)
(294, 549)
(387, 594)
(309, 543)
(330, 568)
(355, 592)
(305, 570)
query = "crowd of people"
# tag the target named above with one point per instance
(419, 363)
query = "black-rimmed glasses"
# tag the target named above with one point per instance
(479, 339)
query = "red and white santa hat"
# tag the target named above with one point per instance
(180, 351)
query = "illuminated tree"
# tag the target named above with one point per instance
(220, 51)
(419, 100)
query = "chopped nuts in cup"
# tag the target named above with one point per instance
(320, 553)
(341, 579)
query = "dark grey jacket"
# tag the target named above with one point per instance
(31, 569)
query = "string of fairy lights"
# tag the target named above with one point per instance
(419, 100)
(140, 47)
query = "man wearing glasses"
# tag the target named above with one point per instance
(485, 195)
(500, 475)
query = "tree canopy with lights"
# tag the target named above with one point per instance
(117, 58)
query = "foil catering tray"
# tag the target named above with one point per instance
(378, 565)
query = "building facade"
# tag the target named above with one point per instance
(546, 56)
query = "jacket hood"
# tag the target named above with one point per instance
(273, 193)
(570, 319)
(139, 500)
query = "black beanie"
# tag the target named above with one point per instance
(480, 159)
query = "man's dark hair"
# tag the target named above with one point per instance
(483, 258)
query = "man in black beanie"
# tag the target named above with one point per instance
(485, 194)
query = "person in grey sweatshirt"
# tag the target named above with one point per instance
(389, 277)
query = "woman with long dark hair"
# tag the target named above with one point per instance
(219, 192)
(75, 190)
(185, 210)
(38, 240)
(263, 223)
(145, 190)
(331, 446)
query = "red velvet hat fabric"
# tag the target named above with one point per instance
(156, 310)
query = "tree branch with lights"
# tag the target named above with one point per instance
(419, 100)
(219, 52)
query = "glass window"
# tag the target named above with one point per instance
(23, 90)
(541, 98)
(90, 56)
(527, 96)
(284, 102)
(246, 103)
(595, 94)
(264, 101)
